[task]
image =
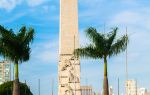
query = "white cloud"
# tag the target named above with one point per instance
(33, 3)
(138, 26)
(135, 18)
(126, 17)
(47, 52)
(9, 4)
(129, 2)
(90, 3)
(13, 18)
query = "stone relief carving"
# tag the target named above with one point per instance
(69, 66)
(72, 77)
(66, 65)
(68, 90)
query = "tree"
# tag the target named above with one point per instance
(6, 89)
(102, 46)
(16, 48)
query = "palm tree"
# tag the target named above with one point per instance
(102, 46)
(16, 48)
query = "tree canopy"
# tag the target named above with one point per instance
(16, 46)
(102, 45)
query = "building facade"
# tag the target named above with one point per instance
(69, 65)
(86, 90)
(147, 93)
(97, 93)
(111, 90)
(131, 87)
(5, 71)
(142, 91)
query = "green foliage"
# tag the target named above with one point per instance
(6, 89)
(102, 45)
(16, 46)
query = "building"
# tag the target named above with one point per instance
(147, 93)
(5, 71)
(69, 65)
(131, 87)
(142, 91)
(86, 90)
(111, 90)
(96, 93)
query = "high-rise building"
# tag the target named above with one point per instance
(131, 87)
(94, 93)
(147, 93)
(142, 91)
(69, 65)
(111, 90)
(5, 71)
(86, 90)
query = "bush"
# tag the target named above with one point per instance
(7, 88)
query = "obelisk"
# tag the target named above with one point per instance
(69, 65)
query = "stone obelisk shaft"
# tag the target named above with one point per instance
(69, 66)
(68, 26)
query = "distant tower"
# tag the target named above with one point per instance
(69, 66)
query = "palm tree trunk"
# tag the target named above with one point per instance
(16, 87)
(105, 83)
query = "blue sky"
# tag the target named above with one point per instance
(43, 16)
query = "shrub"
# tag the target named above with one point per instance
(7, 88)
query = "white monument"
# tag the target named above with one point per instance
(69, 66)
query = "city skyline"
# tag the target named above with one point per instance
(43, 15)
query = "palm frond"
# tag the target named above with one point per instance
(119, 46)
(7, 41)
(109, 39)
(111, 36)
(97, 38)
(29, 36)
(16, 46)
(87, 52)
(25, 54)
(21, 33)
(4, 33)
(92, 34)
